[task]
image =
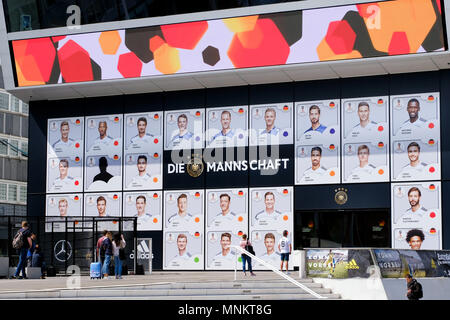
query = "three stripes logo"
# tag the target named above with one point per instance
(352, 265)
(143, 251)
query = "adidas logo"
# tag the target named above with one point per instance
(143, 251)
(142, 247)
(352, 265)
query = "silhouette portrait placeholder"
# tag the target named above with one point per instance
(103, 175)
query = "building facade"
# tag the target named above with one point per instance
(324, 121)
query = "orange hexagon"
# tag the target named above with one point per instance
(241, 24)
(110, 41)
(167, 59)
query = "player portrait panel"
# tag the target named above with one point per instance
(265, 244)
(271, 211)
(271, 124)
(65, 174)
(227, 127)
(183, 250)
(143, 151)
(365, 162)
(317, 122)
(146, 207)
(414, 160)
(103, 206)
(365, 119)
(58, 207)
(184, 210)
(103, 153)
(416, 206)
(65, 137)
(317, 164)
(184, 129)
(219, 252)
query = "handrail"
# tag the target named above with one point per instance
(274, 269)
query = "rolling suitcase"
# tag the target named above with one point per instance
(96, 269)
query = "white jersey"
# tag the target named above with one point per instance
(273, 258)
(230, 216)
(368, 169)
(60, 146)
(146, 138)
(63, 183)
(409, 171)
(230, 257)
(144, 221)
(371, 126)
(314, 174)
(284, 244)
(264, 215)
(140, 180)
(106, 141)
(185, 256)
(407, 125)
(410, 216)
(176, 219)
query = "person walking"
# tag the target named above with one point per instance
(244, 245)
(118, 243)
(24, 238)
(100, 250)
(107, 246)
(285, 248)
(414, 288)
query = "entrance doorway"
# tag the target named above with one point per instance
(343, 228)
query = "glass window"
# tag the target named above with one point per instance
(2, 122)
(12, 192)
(13, 147)
(4, 101)
(4, 147)
(25, 107)
(3, 191)
(8, 123)
(16, 125)
(23, 194)
(24, 127)
(24, 148)
(15, 104)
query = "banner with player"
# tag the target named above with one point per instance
(146, 207)
(271, 124)
(103, 206)
(317, 142)
(143, 151)
(415, 137)
(183, 230)
(184, 129)
(103, 156)
(65, 155)
(271, 212)
(365, 139)
(60, 206)
(227, 127)
(226, 222)
(416, 215)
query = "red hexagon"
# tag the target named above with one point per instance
(75, 63)
(340, 37)
(399, 44)
(184, 35)
(43, 54)
(273, 49)
(129, 65)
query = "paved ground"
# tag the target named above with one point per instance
(54, 283)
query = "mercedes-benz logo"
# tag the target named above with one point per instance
(62, 250)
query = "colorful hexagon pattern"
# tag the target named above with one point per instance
(184, 35)
(110, 42)
(129, 65)
(75, 63)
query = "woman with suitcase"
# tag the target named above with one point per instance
(107, 245)
(118, 243)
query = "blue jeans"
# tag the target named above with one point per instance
(22, 262)
(117, 266)
(105, 269)
(249, 262)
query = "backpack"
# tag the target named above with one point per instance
(249, 248)
(418, 292)
(17, 242)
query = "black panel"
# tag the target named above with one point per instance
(271, 93)
(445, 129)
(189, 99)
(365, 87)
(36, 204)
(231, 96)
(317, 90)
(176, 174)
(445, 189)
(360, 196)
(157, 246)
(149, 102)
(407, 83)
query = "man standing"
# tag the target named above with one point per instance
(314, 117)
(100, 249)
(414, 288)
(285, 248)
(23, 250)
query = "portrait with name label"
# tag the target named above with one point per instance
(416, 215)
(103, 153)
(227, 127)
(183, 250)
(415, 137)
(65, 155)
(146, 207)
(143, 151)
(184, 129)
(60, 206)
(365, 139)
(103, 206)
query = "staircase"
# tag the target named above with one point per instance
(210, 290)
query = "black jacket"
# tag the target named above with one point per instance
(413, 285)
